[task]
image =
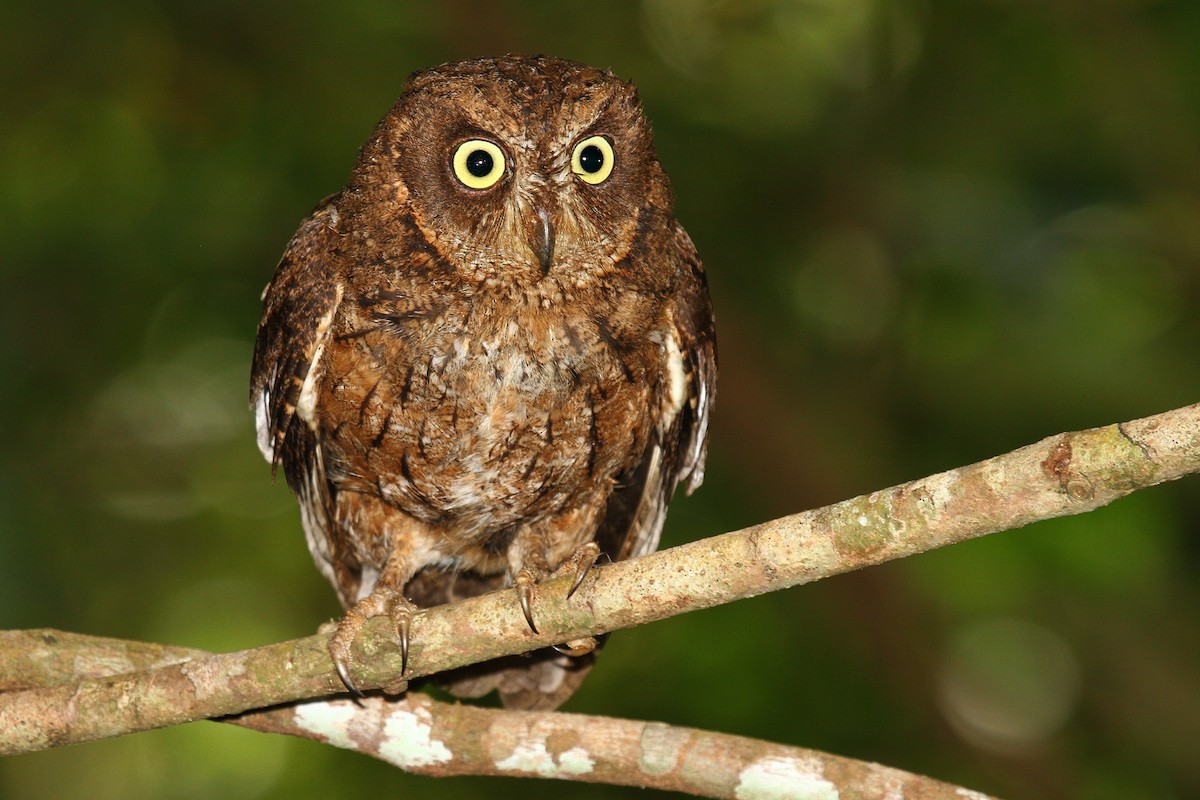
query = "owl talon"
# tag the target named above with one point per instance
(344, 673)
(339, 651)
(525, 584)
(402, 617)
(583, 559)
(577, 647)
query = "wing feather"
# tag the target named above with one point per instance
(298, 309)
(679, 443)
(299, 306)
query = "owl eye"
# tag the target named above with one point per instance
(478, 164)
(593, 159)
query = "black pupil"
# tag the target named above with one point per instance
(591, 159)
(480, 163)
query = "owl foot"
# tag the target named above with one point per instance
(383, 601)
(577, 564)
(581, 561)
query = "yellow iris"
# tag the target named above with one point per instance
(593, 159)
(478, 164)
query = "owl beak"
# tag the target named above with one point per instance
(542, 237)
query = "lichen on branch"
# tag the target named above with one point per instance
(62, 688)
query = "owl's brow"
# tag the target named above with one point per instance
(583, 127)
(518, 133)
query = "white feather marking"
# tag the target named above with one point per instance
(649, 505)
(678, 375)
(262, 420)
(307, 403)
(313, 517)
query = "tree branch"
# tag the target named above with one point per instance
(427, 737)
(1066, 474)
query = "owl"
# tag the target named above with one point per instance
(490, 358)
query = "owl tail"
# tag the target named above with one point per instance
(539, 681)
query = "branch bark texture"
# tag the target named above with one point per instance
(427, 737)
(1066, 474)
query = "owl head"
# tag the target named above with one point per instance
(516, 169)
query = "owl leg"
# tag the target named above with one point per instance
(529, 564)
(386, 599)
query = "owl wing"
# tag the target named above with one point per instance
(636, 511)
(299, 306)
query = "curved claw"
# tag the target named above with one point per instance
(403, 620)
(585, 558)
(576, 647)
(525, 595)
(401, 614)
(343, 672)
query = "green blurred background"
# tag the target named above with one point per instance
(934, 232)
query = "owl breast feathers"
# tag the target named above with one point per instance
(490, 354)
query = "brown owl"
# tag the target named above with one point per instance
(489, 357)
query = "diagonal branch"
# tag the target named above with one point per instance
(1066, 474)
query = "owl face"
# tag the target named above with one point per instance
(519, 169)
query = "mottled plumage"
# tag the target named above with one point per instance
(492, 347)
